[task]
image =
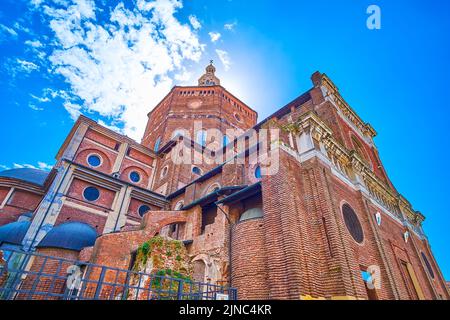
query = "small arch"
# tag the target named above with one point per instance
(164, 172)
(84, 155)
(179, 205)
(199, 270)
(212, 188)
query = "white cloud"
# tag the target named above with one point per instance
(183, 76)
(3, 167)
(20, 27)
(26, 66)
(34, 44)
(194, 22)
(44, 166)
(8, 30)
(40, 165)
(73, 109)
(230, 26)
(214, 36)
(7, 33)
(21, 166)
(34, 107)
(122, 67)
(40, 99)
(225, 58)
(36, 3)
(111, 127)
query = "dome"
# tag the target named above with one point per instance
(210, 69)
(13, 233)
(209, 78)
(70, 235)
(34, 176)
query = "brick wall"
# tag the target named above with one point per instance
(48, 282)
(20, 202)
(249, 261)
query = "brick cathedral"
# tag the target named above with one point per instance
(326, 224)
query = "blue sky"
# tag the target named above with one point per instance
(114, 60)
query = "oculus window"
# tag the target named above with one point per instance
(143, 210)
(352, 223)
(94, 160)
(91, 194)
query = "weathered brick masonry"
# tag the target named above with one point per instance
(327, 223)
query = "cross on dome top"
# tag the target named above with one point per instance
(209, 78)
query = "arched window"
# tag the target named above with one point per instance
(252, 213)
(226, 140)
(258, 172)
(212, 188)
(197, 171)
(143, 210)
(428, 265)
(178, 132)
(199, 270)
(201, 137)
(94, 160)
(352, 223)
(157, 143)
(91, 194)
(179, 205)
(164, 172)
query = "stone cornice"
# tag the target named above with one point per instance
(21, 185)
(351, 164)
(93, 125)
(331, 91)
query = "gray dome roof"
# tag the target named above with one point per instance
(14, 232)
(70, 235)
(34, 176)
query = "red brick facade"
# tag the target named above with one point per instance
(301, 247)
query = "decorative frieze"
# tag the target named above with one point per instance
(311, 131)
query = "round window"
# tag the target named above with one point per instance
(197, 170)
(134, 176)
(238, 118)
(428, 265)
(352, 223)
(94, 160)
(143, 210)
(91, 194)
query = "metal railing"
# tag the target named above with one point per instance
(32, 276)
